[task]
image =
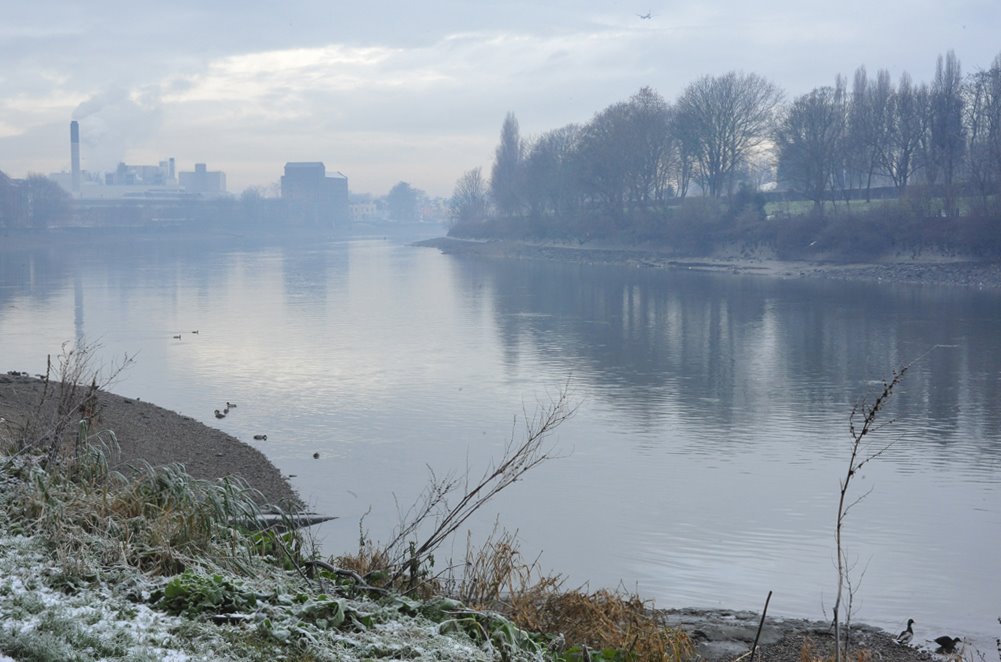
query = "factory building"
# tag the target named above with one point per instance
(312, 197)
(203, 181)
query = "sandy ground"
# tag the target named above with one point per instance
(158, 436)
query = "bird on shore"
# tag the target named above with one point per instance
(947, 644)
(908, 634)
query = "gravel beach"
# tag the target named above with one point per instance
(147, 432)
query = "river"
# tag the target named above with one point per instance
(702, 465)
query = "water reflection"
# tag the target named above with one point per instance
(729, 350)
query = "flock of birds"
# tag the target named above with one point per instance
(222, 414)
(945, 643)
(258, 437)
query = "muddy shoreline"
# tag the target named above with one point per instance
(928, 268)
(145, 432)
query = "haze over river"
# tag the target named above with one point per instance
(702, 466)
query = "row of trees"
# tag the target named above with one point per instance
(34, 202)
(731, 131)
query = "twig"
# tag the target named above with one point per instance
(761, 624)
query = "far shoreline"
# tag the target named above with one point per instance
(926, 268)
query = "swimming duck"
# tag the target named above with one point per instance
(908, 634)
(219, 414)
(230, 405)
(261, 437)
(947, 644)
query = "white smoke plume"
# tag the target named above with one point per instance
(112, 122)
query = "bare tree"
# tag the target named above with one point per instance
(649, 138)
(723, 118)
(947, 140)
(907, 125)
(469, 198)
(506, 177)
(870, 120)
(603, 159)
(983, 130)
(552, 184)
(47, 202)
(808, 141)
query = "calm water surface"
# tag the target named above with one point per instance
(702, 466)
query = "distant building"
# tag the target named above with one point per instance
(202, 180)
(137, 175)
(313, 198)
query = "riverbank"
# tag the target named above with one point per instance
(145, 432)
(925, 268)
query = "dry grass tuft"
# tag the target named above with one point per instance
(497, 578)
(605, 619)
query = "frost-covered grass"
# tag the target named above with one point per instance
(93, 607)
(94, 622)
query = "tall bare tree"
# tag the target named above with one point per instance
(907, 125)
(983, 130)
(551, 184)
(722, 119)
(808, 140)
(506, 177)
(947, 141)
(870, 120)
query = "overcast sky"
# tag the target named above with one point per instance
(385, 91)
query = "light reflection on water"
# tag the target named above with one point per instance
(701, 469)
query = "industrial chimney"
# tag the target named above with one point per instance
(75, 154)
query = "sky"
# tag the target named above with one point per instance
(390, 91)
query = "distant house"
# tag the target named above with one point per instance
(312, 197)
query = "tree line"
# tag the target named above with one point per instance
(34, 202)
(936, 146)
